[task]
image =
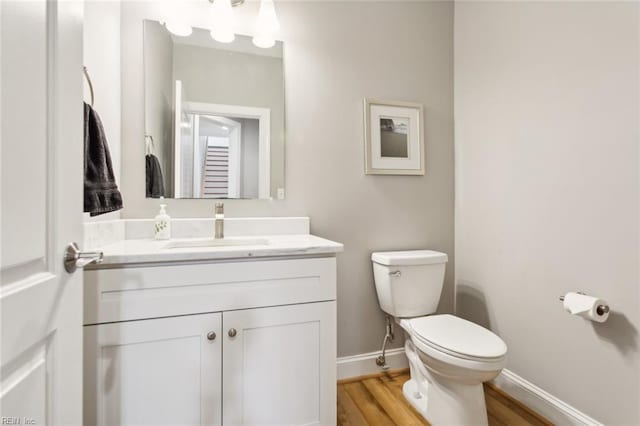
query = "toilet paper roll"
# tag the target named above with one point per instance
(585, 306)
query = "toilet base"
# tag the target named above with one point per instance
(415, 398)
(443, 400)
(462, 410)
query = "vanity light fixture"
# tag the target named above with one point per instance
(267, 25)
(223, 21)
(266, 28)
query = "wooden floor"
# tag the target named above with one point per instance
(378, 400)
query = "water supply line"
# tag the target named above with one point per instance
(381, 361)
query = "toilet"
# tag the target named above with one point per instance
(449, 357)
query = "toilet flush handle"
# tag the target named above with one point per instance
(395, 273)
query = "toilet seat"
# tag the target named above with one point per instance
(455, 340)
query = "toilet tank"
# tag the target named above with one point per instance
(409, 283)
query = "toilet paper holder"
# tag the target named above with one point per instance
(600, 309)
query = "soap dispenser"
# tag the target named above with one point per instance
(163, 224)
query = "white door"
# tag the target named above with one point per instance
(41, 188)
(263, 115)
(164, 371)
(279, 365)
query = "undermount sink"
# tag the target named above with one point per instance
(212, 242)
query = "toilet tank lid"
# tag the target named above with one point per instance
(409, 257)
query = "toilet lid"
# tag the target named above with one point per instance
(409, 257)
(458, 337)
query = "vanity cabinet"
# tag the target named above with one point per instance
(231, 342)
(159, 371)
(280, 366)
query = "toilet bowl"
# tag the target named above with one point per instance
(449, 357)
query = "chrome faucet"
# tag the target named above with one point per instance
(219, 233)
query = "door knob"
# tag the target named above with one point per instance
(211, 335)
(74, 258)
(232, 332)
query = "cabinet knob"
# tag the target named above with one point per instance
(232, 332)
(211, 335)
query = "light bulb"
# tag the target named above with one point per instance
(176, 18)
(267, 25)
(179, 29)
(223, 21)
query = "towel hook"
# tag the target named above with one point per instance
(86, 75)
(151, 147)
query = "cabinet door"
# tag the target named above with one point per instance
(280, 368)
(154, 372)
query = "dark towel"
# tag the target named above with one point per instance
(101, 193)
(155, 187)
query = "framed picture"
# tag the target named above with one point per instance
(394, 143)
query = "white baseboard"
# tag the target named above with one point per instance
(540, 401)
(363, 364)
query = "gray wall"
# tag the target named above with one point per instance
(336, 53)
(158, 91)
(101, 55)
(250, 157)
(546, 111)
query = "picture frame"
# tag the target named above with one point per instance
(394, 138)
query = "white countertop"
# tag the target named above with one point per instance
(136, 251)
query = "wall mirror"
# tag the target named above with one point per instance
(214, 116)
